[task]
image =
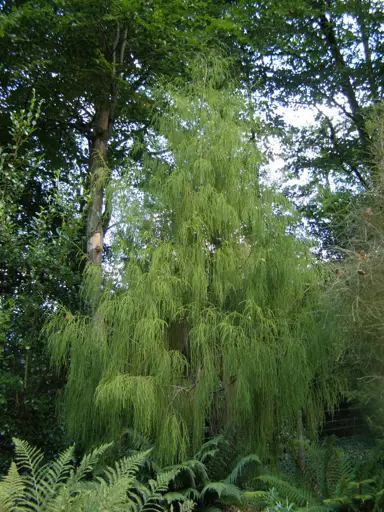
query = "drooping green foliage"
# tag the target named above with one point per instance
(214, 322)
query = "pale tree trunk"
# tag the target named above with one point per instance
(98, 170)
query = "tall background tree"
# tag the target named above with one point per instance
(92, 66)
(40, 236)
(327, 55)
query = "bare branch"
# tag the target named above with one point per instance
(114, 48)
(336, 145)
(123, 46)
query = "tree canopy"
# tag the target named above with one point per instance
(326, 55)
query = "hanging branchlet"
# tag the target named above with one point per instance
(217, 296)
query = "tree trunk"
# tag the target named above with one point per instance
(346, 83)
(363, 21)
(97, 170)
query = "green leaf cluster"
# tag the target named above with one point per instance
(216, 319)
(39, 264)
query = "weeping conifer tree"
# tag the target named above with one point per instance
(216, 322)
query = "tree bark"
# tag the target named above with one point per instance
(98, 170)
(364, 30)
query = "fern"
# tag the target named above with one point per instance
(187, 506)
(60, 486)
(301, 497)
(52, 477)
(199, 470)
(11, 488)
(217, 455)
(211, 448)
(28, 460)
(192, 493)
(87, 463)
(222, 489)
(240, 468)
(327, 480)
(190, 480)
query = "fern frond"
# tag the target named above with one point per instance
(101, 496)
(207, 454)
(28, 459)
(129, 466)
(210, 448)
(186, 506)
(294, 495)
(163, 479)
(222, 489)
(147, 499)
(181, 476)
(11, 487)
(51, 476)
(138, 495)
(199, 470)
(113, 484)
(58, 471)
(240, 467)
(192, 493)
(191, 473)
(87, 463)
(113, 496)
(171, 497)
